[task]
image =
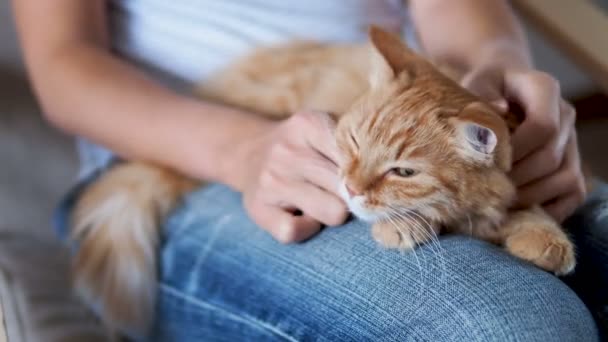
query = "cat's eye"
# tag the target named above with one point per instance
(403, 171)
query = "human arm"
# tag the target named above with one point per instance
(86, 90)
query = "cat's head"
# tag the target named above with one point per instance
(418, 142)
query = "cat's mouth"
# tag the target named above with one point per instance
(357, 206)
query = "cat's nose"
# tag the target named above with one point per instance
(352, 192)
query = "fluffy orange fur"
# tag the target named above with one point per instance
(420, 155)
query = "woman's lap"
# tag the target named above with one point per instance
(225, 279)
(589, 229)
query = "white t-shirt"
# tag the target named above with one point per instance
(184, 41)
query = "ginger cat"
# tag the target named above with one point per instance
(420, 156)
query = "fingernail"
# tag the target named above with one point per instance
(501, 104)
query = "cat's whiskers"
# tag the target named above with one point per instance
(416, 230)
(432, 233)
(405, 214)
(397, 223)
(408, 221)
(397, 226)
(435, 240)
(417, 221)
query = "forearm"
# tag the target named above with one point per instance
(88, 92)
(466, 33)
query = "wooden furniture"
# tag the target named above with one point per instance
(577, 27)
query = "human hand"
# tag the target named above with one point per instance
(547, 167)
(290, 186)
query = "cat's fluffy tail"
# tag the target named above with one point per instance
(115, 226)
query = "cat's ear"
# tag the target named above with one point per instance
(482, 135)
(477, 138)
(389, 56)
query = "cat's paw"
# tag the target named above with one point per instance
(545, 245)
(388, 236)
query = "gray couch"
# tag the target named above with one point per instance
(37, 165)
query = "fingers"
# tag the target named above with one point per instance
(545, 160)
(561, 192)
(281, 224)
(271, 211)
(539, 96)
(304, 165)
(321, 173)
(501, 104)
(563, 207)
(548, 188)
(316, 203)
(545, 190)
(298, 170)
(317, 129)
(547, 164)
(485, 83)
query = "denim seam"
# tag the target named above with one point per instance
(246, 319)
(204, 254)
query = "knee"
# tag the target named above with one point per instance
(483, 295)
(533, 307)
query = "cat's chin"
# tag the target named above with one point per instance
(369, 218)
(356, 205)
(365, 214)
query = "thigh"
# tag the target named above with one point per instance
(224, 279)
(589, 228)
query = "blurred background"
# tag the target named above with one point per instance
(37, 163)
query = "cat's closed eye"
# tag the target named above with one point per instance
(403, 172)
(352, 138)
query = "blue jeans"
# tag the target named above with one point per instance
(224, 279)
